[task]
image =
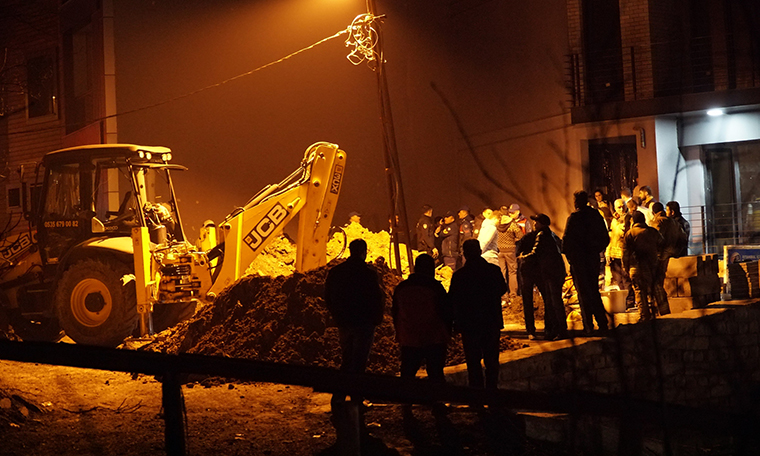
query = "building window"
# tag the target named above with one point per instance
(78, 80)
(41, 96)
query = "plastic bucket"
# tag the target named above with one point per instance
(614, 300)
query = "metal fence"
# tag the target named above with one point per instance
(713, 227)
(661, 69)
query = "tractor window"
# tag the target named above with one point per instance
(160, 207)
(113, 199)
(63, 199)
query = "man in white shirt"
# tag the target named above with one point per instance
(488, 238)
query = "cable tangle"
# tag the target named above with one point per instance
(363, 37)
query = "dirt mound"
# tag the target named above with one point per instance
(284, 319)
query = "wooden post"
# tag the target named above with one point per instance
(174, 419)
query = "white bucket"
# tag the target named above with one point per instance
(614, 300)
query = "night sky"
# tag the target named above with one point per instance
(476, 90)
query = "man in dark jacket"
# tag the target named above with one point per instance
(671, 235)
(475, 293)
(509, 234)
(449, 235)
(425, 229)
(422, 317)
(673, 210)
(585, 238)
(528, 275)
(544, 257)
(641, 249)
(355, 301)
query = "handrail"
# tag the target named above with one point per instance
(373, 386)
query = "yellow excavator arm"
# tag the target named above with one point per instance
(312, 190)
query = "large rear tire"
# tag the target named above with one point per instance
(94, 305)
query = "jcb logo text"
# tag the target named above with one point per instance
(336, 178)
(265, 227)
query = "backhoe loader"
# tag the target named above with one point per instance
(99, 252)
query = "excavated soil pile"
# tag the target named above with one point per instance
(284, 319)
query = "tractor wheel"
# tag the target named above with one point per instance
(94, 305)
(167, 315)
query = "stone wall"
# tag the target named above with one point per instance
(707, 358)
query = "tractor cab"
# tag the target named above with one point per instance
(103, 191)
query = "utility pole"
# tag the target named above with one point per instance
(399, 221)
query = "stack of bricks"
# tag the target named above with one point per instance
(744, 280)
(692, 282)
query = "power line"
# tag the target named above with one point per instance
(194, 92)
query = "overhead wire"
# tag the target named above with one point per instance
(194, 92)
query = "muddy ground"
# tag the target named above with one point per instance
(280, 317)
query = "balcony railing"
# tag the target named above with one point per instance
(713, 227)
(662, 69)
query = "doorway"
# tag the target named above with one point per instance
(613, 165)
(732, 183)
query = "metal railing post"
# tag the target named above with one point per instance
(704, 229)
(174, 419)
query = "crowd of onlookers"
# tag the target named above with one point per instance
(494, 256)
(636, 258)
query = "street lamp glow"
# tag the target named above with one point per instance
(715, 112)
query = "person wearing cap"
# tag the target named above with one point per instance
(510, 233)
(585, 239)
(544, 261)
(517, 216)
(449, 235)
(466, 229)
(354, 217)
(425, 230)
(475, 293)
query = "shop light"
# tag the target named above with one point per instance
(715, 112)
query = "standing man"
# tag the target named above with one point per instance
(671, 235)
(673, 210)
(603, 206)
(549, 268)
(488, 238)
(449, 234)
(509, 233)
(425, 230)
(422, 317)
(528, 275)
(354, 217)
(475, 292)
(625, 195)
(645, 195)
(585, 238)
(640, 257)
(466, 229)
(615, 252)
(355, 301)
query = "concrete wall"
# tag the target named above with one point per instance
(706, 358)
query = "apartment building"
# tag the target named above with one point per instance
(666, 93)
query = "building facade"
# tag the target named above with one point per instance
(666, 93)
